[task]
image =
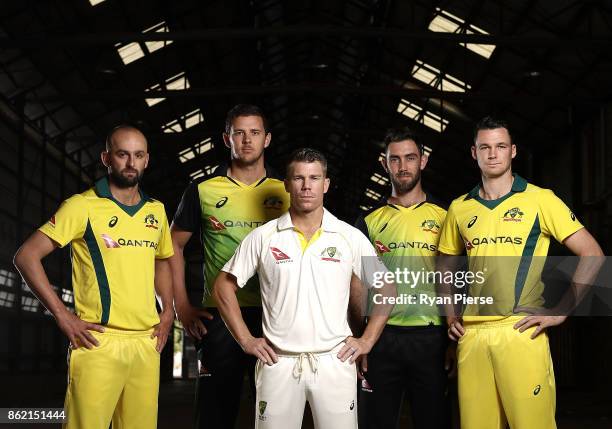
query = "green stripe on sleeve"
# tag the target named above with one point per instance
(98, 263)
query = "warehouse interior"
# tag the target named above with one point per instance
(332, 75)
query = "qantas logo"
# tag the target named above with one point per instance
(279, 255)
(381, 248)
(109, 242)
(217, 226)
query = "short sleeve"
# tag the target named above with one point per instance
(557, 219)
(367, 265)
(69, 222)
(451, 241)
(164, 247)
(245, 261)
(188, 216)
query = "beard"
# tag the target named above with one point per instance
(403, 187)
(122, 181)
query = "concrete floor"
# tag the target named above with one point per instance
(575, 408)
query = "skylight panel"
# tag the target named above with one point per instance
(189, 120)
(95, 2)
(372, 194)
(446, 22)
(130, 52)
(422, 116)
(379, 178)
(7, 299)
(427, 150)
(153, 46)
(7, 278)
(432, 76)
(197, 149)
(29, 304)
(178, 81)
(365, 208)
(196, 174)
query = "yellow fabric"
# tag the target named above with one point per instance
(113, 257)
(501, 236)
(302, 238)
(230, 210)
(407, 238)
(117, 381)
(504, 374)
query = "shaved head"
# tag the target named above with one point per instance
(123, 131)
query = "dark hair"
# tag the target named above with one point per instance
(395, 135)
(307, 154)
(491, 123)
(244, 110)
(111, 133)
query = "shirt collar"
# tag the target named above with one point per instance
(103, 190)
(330, 222)
(518, 185)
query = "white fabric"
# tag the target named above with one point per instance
(304, 296)
(329, 387)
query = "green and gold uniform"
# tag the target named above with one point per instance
(113, 251)
(222, 210)
(502, 372)
(408, 359)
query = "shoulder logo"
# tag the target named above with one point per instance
(384, 227)
(216, 225)
(514, 215)
(52, 220)
(150, 221)
(113, 221)
(573, 216)
(221, 202)
(430, 225)
(472, 221)
(273, 202)
(381, 248)
(536, 391)
(352, 405)
(109, 242)
(279, 255)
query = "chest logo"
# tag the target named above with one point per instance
(430, 225)
(472, 221)
(151, 222)
(216, 225)
(221, 202)
(109, 242)
(381, 248)
(279, 255)
(328, 254)
(514, 215)
(113, 221)
(273, 203)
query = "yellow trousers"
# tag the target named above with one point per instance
(117, 381)
(505, 376)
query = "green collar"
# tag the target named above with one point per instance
(519, 185)
(103, 191)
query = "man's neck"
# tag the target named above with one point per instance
(307, 222)
(414, 196)
(496, 187)
(127, 196)
(247, 174)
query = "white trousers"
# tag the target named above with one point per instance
(328, 384)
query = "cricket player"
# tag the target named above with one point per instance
(305, 260)
(222, 209)
(411, 356)
(504, 224)
(120, 243)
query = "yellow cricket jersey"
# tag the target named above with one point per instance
(224, 210)
(407, 238)
(503, 239)
(113, 251)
